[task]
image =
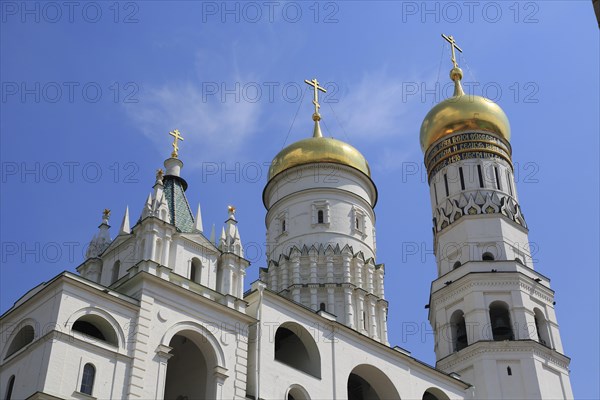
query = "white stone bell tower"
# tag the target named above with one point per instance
(492, 313)
(321, 231)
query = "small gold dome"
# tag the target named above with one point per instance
(463, 112)
(318, 150)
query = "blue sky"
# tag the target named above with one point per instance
(89, 93)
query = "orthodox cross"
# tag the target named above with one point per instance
(453, 45)
(176, 136)
(315, 84)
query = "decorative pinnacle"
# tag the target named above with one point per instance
(177, 136)
(456, 73)
(316, 116)
(159, 175)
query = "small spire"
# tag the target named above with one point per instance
(105, 216)
(212, 234)
(456, 73)
(198, 220)
(231, 212)
(159, 176)
(316, 116)
(125, 227)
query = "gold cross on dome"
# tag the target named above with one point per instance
(453, 45)
(177, 136)
(106, 213)
(315, 84)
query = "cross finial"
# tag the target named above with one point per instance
(176, 136)
(453, 45)
(315, 84)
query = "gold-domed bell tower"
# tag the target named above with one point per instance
(321, 230)
(492, 313)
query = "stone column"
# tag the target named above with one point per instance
(313, 266)
(284, 276)
(331, 298)
(373, 317)
(313, 296)
(380, 286)
(163, 354)
(349, 307)
(361, 312)
(359, 270)
(383, 318)
(295, 260)
(370, 286)
(346, 267)
(166, 250)
(329, 261)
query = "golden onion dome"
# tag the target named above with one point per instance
(463, 112)
(318, 149)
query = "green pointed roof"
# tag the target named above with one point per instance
(179, 208)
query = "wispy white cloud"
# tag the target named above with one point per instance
(212, 127)
(377, 106)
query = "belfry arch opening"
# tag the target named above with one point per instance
(459, 331)
(500, 322)
(296, 347)
(190, 370)
(367, 382)
(541, 327)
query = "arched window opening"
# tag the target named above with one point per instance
(283, 226)
(435, 394)
(456, 265)
(115, 272)
(322, 307)
(87, 380)
(196, 271)
(508, 371)
(541, 327)
(487, 256)
(295, 347)
(500, 319)
(96, 327)
(24, 336)
(9, 387)
(320, 217)
(459, 330)
(357, 222)
(367, 382)
(297, 393)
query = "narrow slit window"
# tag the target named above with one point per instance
(446, 185)
(87, 381)
(508, 371)
(283, 226)
(435, 192)
(320, 217)
(510, 189)
(480, 176)
(357, 224)
(498, 183)
(462, 178)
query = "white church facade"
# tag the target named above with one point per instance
(159, 311)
